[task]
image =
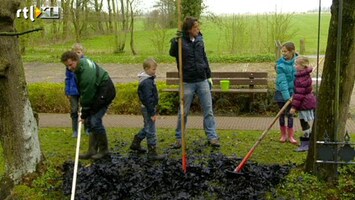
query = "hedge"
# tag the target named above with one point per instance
(50, 98)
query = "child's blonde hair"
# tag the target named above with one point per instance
(148, 63)
(78, 46)
(303, 61)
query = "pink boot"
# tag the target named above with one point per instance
(283, 134)
(291, 134)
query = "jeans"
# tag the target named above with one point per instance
(149, 130)
(74, 108)
(202, 90)
(95, 121)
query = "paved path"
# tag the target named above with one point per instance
(136, 121)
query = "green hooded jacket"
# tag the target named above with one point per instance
(89, 80)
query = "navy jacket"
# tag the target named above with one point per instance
(194, 60)
(148, 93)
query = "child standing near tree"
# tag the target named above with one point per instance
(304, 100)
(72, 92)
(286, 71)
(149, 97)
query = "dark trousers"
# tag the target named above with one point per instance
(287, 114)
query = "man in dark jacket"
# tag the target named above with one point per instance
(96, 93)
(196, 77)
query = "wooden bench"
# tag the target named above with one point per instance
(239, 82)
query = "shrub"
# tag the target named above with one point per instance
(347, 182)
(50, 98)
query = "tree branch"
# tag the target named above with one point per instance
(19, 33)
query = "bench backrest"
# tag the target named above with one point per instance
(235, 78)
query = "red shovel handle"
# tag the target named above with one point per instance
(251, 151)
(239, 168)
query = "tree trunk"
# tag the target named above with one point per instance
(98, 11)
(326, 123)
(80, 16)
(110, 27)
(122, 29)
(66, 17)
(18, 127)
(132, 28)
(123, 32)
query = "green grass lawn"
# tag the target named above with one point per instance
(252, 35)
(58, 146)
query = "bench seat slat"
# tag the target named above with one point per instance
(237, 79)
(236, 90)
(175, 81)
(226, 75)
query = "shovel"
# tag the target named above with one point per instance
(73, 187)
(241, 165)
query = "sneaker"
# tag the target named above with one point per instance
(176, 145)
(214, 143)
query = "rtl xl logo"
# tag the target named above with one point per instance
(43, 13)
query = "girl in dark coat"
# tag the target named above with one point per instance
(304, 100)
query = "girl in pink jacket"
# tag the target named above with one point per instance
(304, 100)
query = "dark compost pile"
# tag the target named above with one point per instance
(134, 177)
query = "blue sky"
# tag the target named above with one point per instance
(255, 6)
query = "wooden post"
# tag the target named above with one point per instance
(278, 47)
(302, 46)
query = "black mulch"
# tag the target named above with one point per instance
(134, 177)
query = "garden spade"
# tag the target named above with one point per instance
(76, 160)
(241, 165)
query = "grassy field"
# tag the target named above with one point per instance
(250, 35)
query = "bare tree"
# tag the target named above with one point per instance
(328, 120)
(66, 18)
(79, 16)
(131, 28)
(164, 14)
(124, 24)
(18, 127)
(98, 10)
(109, 26)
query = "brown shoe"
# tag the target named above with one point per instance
(176, 145)
(214, 143)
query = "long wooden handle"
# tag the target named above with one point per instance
(181, 85)
(73, 187)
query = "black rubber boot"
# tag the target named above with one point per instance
(103, 147)
(92, 150)
(152, 153)
(136, 145)
(176, 145)
(304, 144)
